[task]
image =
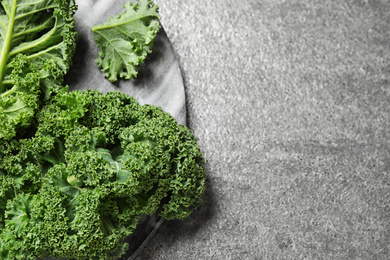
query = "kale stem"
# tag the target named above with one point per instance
(7, 41)
(105, 26)
(9, 91)
(15, 191)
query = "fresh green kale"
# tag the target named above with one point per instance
(126, 39)
(96, 164)
(79, 169)
(37, 41)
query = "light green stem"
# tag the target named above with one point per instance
(108, 26)
(7, 41)
(8, 92)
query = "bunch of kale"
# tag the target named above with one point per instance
(79, 169)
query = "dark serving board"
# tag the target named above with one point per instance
(159, 83)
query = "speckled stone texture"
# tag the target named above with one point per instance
(290, 101)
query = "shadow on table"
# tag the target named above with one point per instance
(198, 219)
(174, 231)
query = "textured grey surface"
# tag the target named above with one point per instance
(290, 101)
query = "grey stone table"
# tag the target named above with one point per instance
(290, 102)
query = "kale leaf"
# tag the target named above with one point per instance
(126, 40)
(96, 164)
(37, 41)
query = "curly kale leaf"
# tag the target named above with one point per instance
(111, 140)
(37, 41)
(96, 164)
(31, 220)
(126, 39)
